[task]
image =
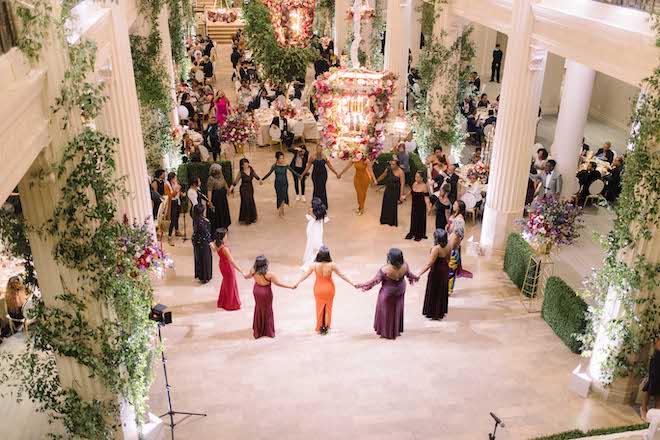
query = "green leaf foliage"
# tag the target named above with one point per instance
(577, 433)
(564, 311)
(517, 258)
(382, 163)
(281, 65)
(201, 170)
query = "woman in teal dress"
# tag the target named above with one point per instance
(281, 182)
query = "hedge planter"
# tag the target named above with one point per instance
(381, 163)
(564, 312)
(516, 259)
(201, 170)
(576, 433)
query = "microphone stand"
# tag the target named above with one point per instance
(498, 422)
(171, 413)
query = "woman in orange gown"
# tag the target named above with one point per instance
(364, 175)
(324, 287)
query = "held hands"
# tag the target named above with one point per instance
(261, 182)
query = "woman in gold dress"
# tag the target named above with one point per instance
(364, 175)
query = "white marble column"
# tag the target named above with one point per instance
(415, 30)
(516, 126)
(120, 118)
(166, 51)
(573, 112)
(341, 26)
(396, 44)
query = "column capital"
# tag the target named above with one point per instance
(537, 57)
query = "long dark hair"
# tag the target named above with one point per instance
(171, 176)
(198, 214)
(318, 209)
(261, 265)
(323, 256)
(440, 237)
(461, 208)
(395, 257)
(219, 236)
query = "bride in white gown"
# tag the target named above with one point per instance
(314, 232)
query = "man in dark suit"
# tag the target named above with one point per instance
(321, 66)
(282, 124)
(491, 119)
(452, 179)
(235, 57)
(212, 138)
(497, 63)
(606, 152)
(208, 48)
(243, 72)
(586, 178)
(613, 181)
(475, 81)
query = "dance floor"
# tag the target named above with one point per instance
(439, 380)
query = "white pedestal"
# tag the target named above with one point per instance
(580, 382)
(154, 429)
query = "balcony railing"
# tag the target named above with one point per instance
(7, 27)
(649, 6)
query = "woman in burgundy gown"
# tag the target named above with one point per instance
(388, 322)
(263, 323)
(436, 300)
(228, 298)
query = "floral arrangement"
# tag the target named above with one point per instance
(137, 249)
(286, 109)
(223, 15)
(552, 222)
(293, 21)
(239, 128)
(177, 134)
(480, 170)
(352, 106)
(366, 13)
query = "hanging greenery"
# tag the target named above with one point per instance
(437, 116)
(151, 78)
(376, 37)
(158, 143)
(281, 65)
(14, 239)
(181, 21)
(627, 277)
(106, 258)
(34, 24)
(324, 17)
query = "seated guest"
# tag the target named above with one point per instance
(541, 157)
(606, 152)
(467, 107)
(15, 297)
(483, 101)
(613, 181)
(473, 128)
(208, 48)
(297, 91)
(491, 119)
(413, 77)
(261, 101)
(207, 65)
(586, 178)
(475, 81)
(585, 149)
(243, 72)
(476, 156)
(186, 101)
(281, 123)
(244, 94)
(321, 66)
(550, 181)
(496, 105)
(475, 188)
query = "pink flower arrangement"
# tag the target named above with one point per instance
(239, 128)
(360, 128)
(552, 222)
(136, 249)
(480, 170)
(285, 108)
(223, 16)
(293, 21)
(366, 13)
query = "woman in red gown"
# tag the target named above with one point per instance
(228, 298)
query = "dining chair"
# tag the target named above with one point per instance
(595, 189)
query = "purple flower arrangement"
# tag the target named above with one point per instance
(552, 222)
(137, 249)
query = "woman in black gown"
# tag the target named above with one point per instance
(320, 174)
(248, 211)
(393, 193)
(420, 206)
(216, 189)
(442, 207)
(436, 300)
(201, 249)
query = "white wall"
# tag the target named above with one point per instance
(552, 80)
(484, 39)
(612, 101)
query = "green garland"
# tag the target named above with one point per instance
(99, 253)
(181, 20)
(629, 276)
(281, 65)
(376, 38)
(14, 238)
(325, 12)
(442, 128)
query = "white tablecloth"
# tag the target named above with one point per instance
(265, 117)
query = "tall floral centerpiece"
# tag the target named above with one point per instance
(238, 130)
(293, 21)
(353, 105)
(551, 223)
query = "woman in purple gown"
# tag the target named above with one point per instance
(263, 323)
(388, 322)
